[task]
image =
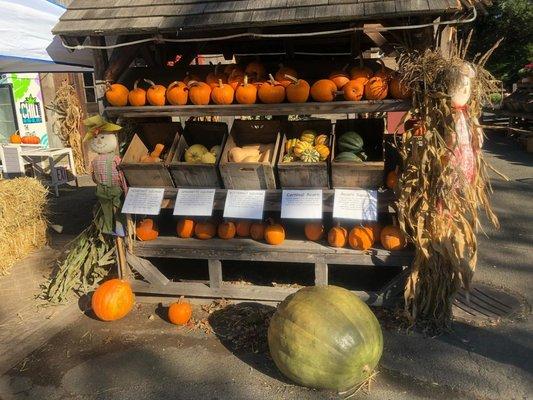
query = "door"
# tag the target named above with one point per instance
(8, 117)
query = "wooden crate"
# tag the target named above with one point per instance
(139, 174)
(365, 175)
(198, 175)
(259, 175)
(300, 174)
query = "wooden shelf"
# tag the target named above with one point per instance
(337, 107)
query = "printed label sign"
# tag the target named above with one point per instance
(145, 201)
(247, 204)
(356, 204)
(194, 202)
(298, 204)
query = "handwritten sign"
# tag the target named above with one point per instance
(194, 202)
(356, 204)
(297, 204)
(145, 201)
(247, 204)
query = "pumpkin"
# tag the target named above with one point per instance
(314, 231)
(324, 90)
(205, 230)
(154, 155)
(361, 238)
(376, 230)
(376, 88)
(190, 77)
(177, 93)
(392, 238)
(256, 70)
(257, 231)
(360, 72)
(339, 78)
(325, 337)
(213, 78)
(274, 233)
(185, 228)
(271, 92)
(146, 230)
(285, 75)
(179, 313)
(228, 69)
(398, 90)
(353, 90)
(15, 138)
(156, 94)
(337, 236)
(222, 94)
(308, 136)
(30, 139)
(297, 90)
(117, 94)
(112, 300)
(415, 126)
(323, 151)
(236, 78)
(246, 93)
(199, 93)
(243, 228)
(137, 96)
(310, 155)
(289, 144)
(226, 230)
(300, 147)
(321, 139)
(392, 179)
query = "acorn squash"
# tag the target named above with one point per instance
(310, 155)
(350, 141)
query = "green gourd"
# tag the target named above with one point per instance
(350, 141)
(348, 156)
(310, 155)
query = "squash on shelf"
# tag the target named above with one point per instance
(285, 75)
(271, 92)
(361, 73)
(339, 78)
(15, 138)
(146, 230)
(185, 228)
(199, 154)
(177, 93)
(257, 231)
(205, 230)
(392, 238)
(324, 90)
(214, 77)
(243, 228)
(154, 156)
(353, 90)
(137, 96)
(116, 94)
(222, 94)
(314, 231)
(190, 77)
(156, 94)
(256, 70)
(361, 238)
(30, 139)
(337, 236)
(199, 93)
(226, 230)
(274, 233)
(246, 93)
(297, 91)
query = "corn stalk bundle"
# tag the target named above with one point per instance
(68, 115)
(437, 206)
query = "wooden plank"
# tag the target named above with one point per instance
(380, 8)
(146, 269)
(403, 6)
(215, 273)
(321, 273)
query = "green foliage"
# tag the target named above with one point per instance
(513, 20)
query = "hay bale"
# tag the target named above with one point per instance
(23, 223)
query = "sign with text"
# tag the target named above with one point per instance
(143, 201)
(247, 204)
(356, 204)
(301, 204)
(194, 202)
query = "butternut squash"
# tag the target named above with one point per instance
(250, 159)
(238, 154)
(154, 156)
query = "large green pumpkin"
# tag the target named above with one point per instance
(325, 337)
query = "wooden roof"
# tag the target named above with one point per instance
(104, 17)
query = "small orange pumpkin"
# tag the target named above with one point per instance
(314, 231)
(146, 230)
(257, 231)
(376, 88)
(30, 139)
(361, 238)
(339, 78)
(243, 228)
(179, 313)
(282, 76)
(226, 230)
(15, 138)
(274, 233)
(353, 90)
(205, 230)
(213, 78)
(137, 96)
(324, 90)
(392, 179)
(376, 230)
(117, 94)
(190, 77)
(256, 70)
(298, 90)
(185, 228)
(337, 236)
(156, 94)
(398, 90)
(199, 93)
(246, 93)
(392, 238)
(112, 300)
(229, 68)
(361, 72)
(236, 78)
(222, 94)
(271, 92)
(177, 93)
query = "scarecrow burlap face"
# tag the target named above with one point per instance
(102, 134)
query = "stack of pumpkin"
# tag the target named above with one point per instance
(15, 138)
(199, 154)
(309, 148)
(251, 84)
(350, 146)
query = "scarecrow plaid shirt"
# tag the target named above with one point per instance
(99, 172)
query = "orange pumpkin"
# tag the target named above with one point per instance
(314, 231)
(392, 238)
(226, 230)
(213, 78)
(137, 96)
(30, 139)
(15, 138)
(177, 93)
(353, 90)
(112, 300)
(298, 90)
(398, 90)
(205, 230)
(339, 78)
(156, 94)
(243, 228)
(282, 76)
(324, 90)
(199, 93)
(361, 72)
(229, 68)
(256, 70)
(361, 238)
(274, 233)
(190, 77)
(337, 236)
(236, 78)
(222, 94)
(376, 88)
(392, 179)
(376, 230)
(146, 230)
(179, 313)
(271, 92)
(117, 95)
(185, 228)
(257, 231)
(246, 93)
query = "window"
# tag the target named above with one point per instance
(88, 87)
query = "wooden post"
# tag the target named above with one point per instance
(215, 273)
(321, 273)
(100, 66)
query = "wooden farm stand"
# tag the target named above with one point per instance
(271, 29)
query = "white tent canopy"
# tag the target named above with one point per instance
(27, 43)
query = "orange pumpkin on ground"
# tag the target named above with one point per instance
(256, 70)
(205, 230)
(353, 90)
(146, 230)
(283, 73)
(257, 231)
(398, 90)
(199, 93)
(15, 138)
(274, 233)
(137, 96)
(361, 238)
(112, 300)
(323, 90)
(179, 313)
(222, 94)
(392, 179)
(226, 230)
(243, 228)
(337, 236)
(339, 78)
(117, 95)
(185, 228)
(314, 231)
(246, 93)
(156, 94)
(213, 78)
(392, 238)
(298, 90)
(177, 93)
(271, 92)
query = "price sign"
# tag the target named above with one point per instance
(194, 202)
(247, 204)
(356, 204)
(143, 201)
(301, 204)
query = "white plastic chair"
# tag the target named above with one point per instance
(12, 162)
